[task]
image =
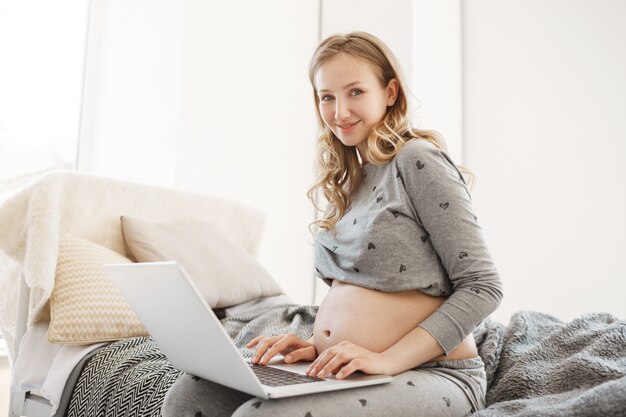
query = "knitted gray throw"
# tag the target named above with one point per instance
(536, 366)
(548, 367)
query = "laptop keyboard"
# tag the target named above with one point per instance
(275, 377)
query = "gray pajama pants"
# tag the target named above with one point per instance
(444, 388)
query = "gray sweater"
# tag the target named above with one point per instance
(411, 226)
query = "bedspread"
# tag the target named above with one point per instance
(131, 377)
(551, 368)
(536, 366)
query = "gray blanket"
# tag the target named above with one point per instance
(537, 366)
(547, 367)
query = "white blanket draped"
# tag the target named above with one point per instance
(89, 207)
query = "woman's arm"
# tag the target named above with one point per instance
(414, 349)
(443, 208)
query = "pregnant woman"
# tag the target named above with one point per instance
(409, 271)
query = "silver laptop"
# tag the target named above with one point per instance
(193, 339)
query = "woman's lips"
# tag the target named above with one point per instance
(347, 128)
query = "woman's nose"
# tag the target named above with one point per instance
(342, 111)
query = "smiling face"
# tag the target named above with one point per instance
(351, 99)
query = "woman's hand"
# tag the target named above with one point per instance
(291, 346)
(344, 358)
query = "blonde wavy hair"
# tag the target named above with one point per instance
(340, 172)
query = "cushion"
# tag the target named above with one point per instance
(85, 306)
(224, 273)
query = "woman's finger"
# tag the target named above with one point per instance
(307, 353)
(348, 369)
(262, 347)
(320, 361)
(338, 360)
(282, 345)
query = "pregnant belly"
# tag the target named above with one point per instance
(376, 320)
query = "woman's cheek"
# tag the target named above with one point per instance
(327, 116)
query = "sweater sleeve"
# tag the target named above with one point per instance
(444, 209)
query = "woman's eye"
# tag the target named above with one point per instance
(356, 90)
(325, 97)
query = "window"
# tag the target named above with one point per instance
(42, 51)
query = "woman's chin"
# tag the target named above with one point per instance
(350, 141)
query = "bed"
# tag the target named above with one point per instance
(536, 364)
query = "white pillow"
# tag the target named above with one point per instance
(223, 271)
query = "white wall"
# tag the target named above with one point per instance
(529, 95)
(211, 98)
(437, 73)
(545, 132)
(247, 126)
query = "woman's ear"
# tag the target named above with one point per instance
(392, 92)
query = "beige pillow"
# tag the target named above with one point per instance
(85, 306)
(224, 273)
